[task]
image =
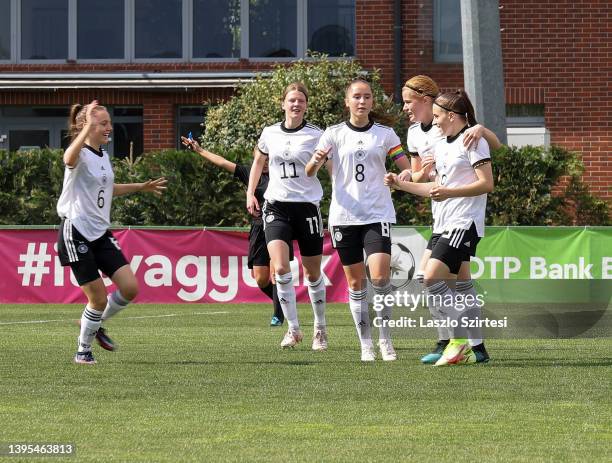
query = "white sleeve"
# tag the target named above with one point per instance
(479, 155)
(261, 143)
(325, 142)
(412, 150)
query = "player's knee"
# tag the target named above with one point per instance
(129, 290)
(262, 280)
(98, 301)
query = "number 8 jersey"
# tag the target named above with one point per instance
(358, 154)
(288, 151)
(87, 193)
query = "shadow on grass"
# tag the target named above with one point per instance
(531, 362)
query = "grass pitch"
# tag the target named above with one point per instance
(192, 384)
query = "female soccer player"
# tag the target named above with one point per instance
(464, 177)
(361, 210)
(85, 242)
(291, 210)
(418, 94)
(259, 259)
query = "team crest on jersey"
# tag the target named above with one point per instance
(104, 179)
(82, 248)
(338, 236)
(360, 153)
(270, 218)
(287, 152)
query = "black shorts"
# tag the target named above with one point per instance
(351, 240)
(455, 246)
(258, 250)
(433, 240)
(294, 221)
(85, 258)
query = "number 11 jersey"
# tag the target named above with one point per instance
(288, 151)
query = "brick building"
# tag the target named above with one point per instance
(153, 62)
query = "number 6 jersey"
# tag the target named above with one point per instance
(288, 151)
(87, 193)
(359, 195)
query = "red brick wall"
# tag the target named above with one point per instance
(556, 52)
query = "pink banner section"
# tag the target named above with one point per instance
(171, 266)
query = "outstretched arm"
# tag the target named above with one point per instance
(217, 160)
(156, 186)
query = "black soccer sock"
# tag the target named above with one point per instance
(268, 291)
(278, 310)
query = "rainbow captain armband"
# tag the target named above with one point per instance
(396, 152)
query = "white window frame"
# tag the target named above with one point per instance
(130, 39)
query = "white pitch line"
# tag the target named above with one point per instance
(30, 322)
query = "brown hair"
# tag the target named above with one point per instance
(299, 86)
(377, 114)
(423, 86)
(459, 103)
(76, 120)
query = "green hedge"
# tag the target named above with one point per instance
(201, 195)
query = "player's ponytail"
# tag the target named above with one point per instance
(73, 129)
(459, 103)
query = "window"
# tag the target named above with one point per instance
(331, 26)
(216, 28)
(158, 29)
(525, 115)
(448, 46)
(43, 126)
(190, 119)
(127, 132)
(44, 29)
(272, 28)
(176, 30)
(100, 29)
(5, 30)
(526, 125)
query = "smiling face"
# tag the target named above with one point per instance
(359, 100)
(443, 119)
(417, 107)
(101, 128)
(295, 105)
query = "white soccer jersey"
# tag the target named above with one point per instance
(288, 151)
(420, 141)
(455, 165)
(87, 193)
(359, 195)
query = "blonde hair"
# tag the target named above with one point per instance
(423, 86)
(298, 86)
(76, 120)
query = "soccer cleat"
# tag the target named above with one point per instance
(453, 352)
(368, 354)
(84, 358)
(435, 354)
(386, 350)
(104, 340)
(482, 356)
(292, 338)
(319, 340)
(276, 321)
